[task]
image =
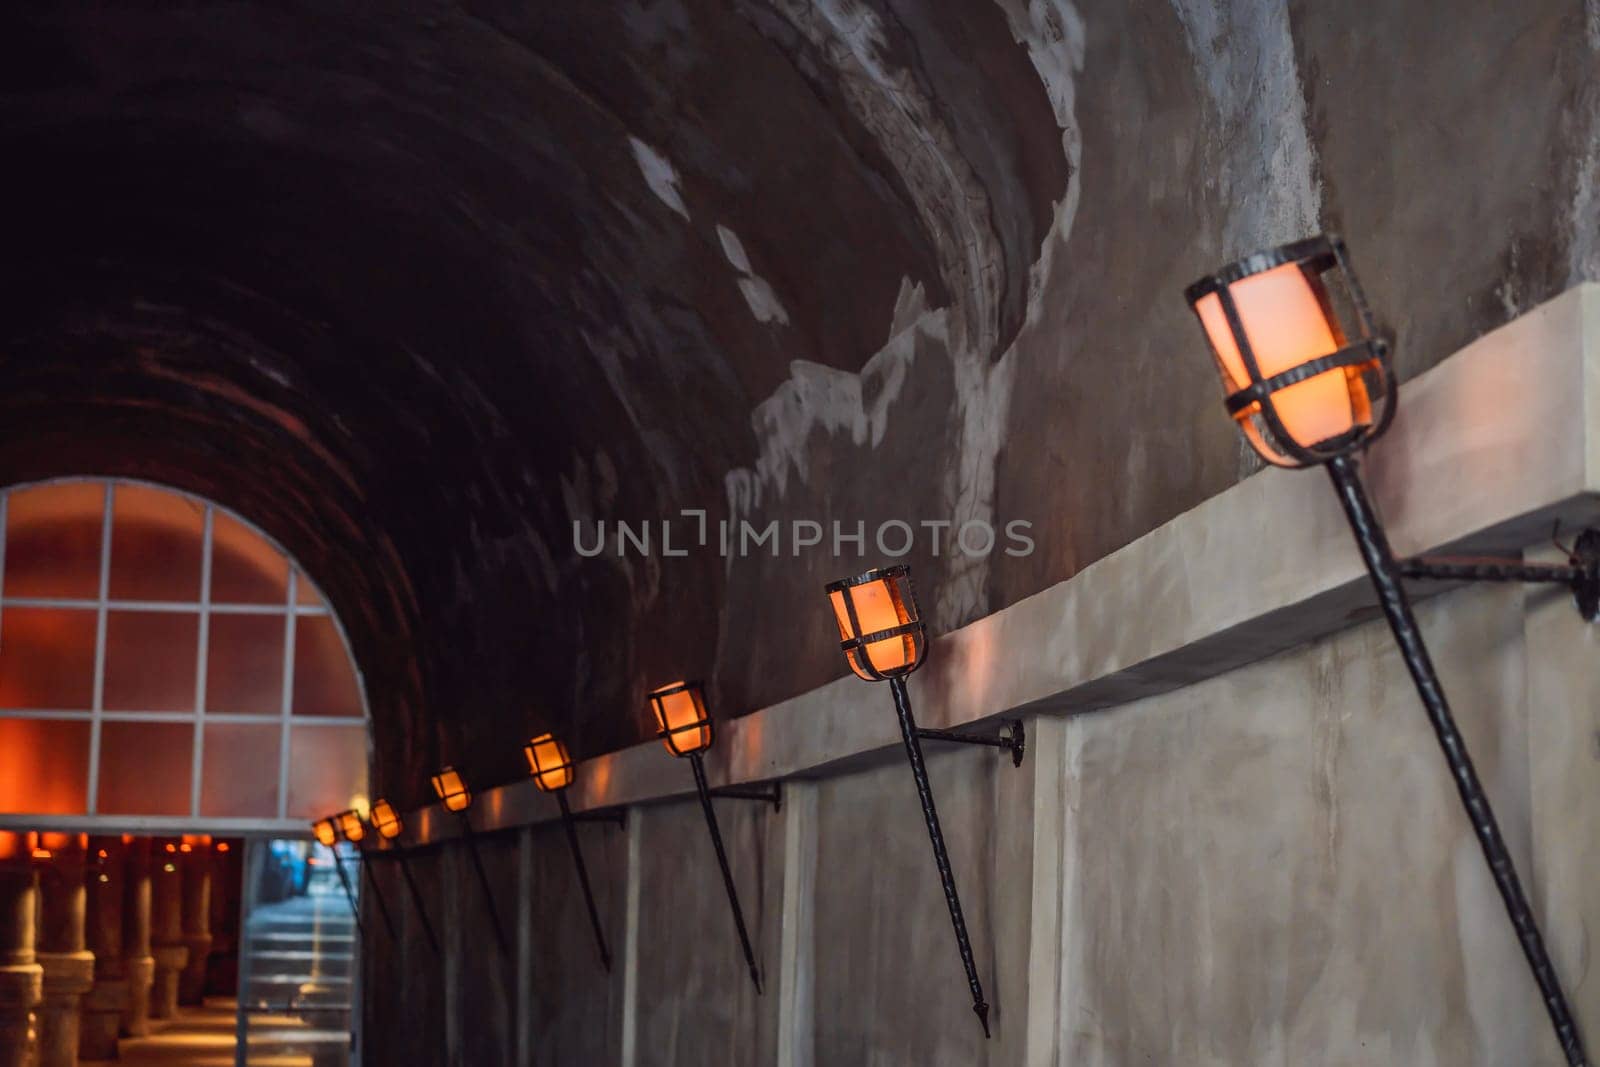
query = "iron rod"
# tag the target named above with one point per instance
(416, 899)
(583, 878)
(722, 861)
(941, 858)
(488, 891)
(1396, 606)
(377, 894)
(965, 739)
(766, 796)
(349, 894)
(1444, 568)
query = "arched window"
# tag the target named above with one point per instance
(163, 665)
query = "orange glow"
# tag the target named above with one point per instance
(245, 568)
(681, 718)
(12, 844)
(223, 846)
(1287, 326)
(53, 536)
(450, 789)
(41, 853)
(43, 763)
(155, 544)
(171, 847)
(325, 832)
(197, 839)
(354, 829)
(101, 853)
(880, 605)
(385, 819)
(549, 763)
(127, 839)
(186, 847)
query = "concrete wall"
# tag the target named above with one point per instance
(1267, 867)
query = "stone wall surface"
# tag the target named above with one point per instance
(1270, 867)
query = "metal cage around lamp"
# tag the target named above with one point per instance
(1306, 374)
(883, 638)
(549, 763)
(386, 820)
(1308, 381)
(682, 722)
(451, 790)
(880, 631)
(684, 726)
(352, 826)
(553, 772)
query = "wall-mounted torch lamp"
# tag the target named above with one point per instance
(453, 793)
(884, 639)
(553, 772)
(354, 829)
(685, 728)
(327, 834)
(1307, 378)
(387, 822)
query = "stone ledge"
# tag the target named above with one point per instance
(1261, 567)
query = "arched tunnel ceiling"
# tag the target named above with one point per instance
(417, 290)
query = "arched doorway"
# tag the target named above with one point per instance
(176, 696)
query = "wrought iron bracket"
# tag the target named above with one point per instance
(773, 796)
(1581, 572)
(618, 818)
(1016, 741)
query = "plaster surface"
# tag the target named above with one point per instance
(1273, 867)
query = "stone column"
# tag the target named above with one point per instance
(21, 979)
(195, 865)
(105, 1002)
(68, 965)
(138, 965)
(166, 928)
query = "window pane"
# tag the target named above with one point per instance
(324, 679)
(44, 766)
(306, 593)
(245, 569)
(156, 539)
(327, 769)
(145, 768)
(47, 658)
(150, 660)
(239, 778)
(244, 671)
(53, 540)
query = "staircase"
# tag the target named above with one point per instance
(298, 973)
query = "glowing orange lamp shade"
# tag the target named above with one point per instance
(1299, 383)
(325, 831)
(1287, 327)
(386, 820)
(549, 763)
(682, 722)
(351, 825)
(451, 790)
(880, 631)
